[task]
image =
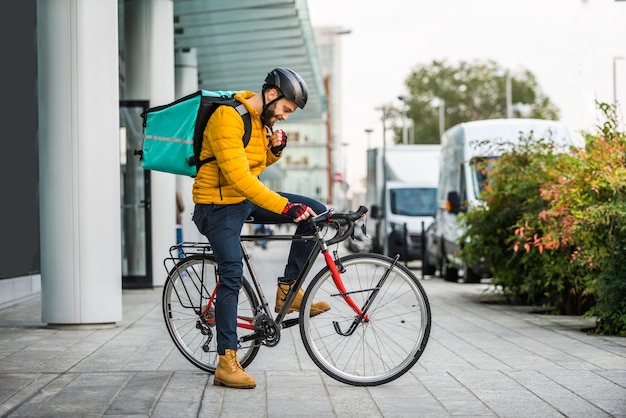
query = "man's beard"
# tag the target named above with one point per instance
(268, 115)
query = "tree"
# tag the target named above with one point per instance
(471, 91)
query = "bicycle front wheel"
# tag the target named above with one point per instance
(189, 311)
(382, 345)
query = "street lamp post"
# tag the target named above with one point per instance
(509, 96)
(508, 90)
(615, 78)
(369, 131)
(344, 176)
(441, 104)
(384, 191)
(403, 99)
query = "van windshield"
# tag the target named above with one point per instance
(413, 201)
(480, 169)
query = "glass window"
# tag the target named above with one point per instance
(413, 201)
(480, 168)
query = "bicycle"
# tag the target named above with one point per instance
(376, 330)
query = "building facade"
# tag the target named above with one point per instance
(88, 220)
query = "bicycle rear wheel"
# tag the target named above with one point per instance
(190, 318)
(380, 348)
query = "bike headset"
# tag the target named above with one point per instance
(289, 83)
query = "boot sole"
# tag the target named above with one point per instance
(228, 385)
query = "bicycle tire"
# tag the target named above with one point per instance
(187, 288)
(379, 350)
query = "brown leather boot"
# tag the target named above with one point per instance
(229, 373)
(281, 292)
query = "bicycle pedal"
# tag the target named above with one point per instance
(291, 322)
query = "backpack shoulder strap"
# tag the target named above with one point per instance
(247, 127)
(247, 122)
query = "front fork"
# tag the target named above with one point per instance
(361, 312)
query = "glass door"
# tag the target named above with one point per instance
(135, 190)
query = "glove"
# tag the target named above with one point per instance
(278, 149)
(295, 210)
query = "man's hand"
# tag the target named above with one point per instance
(298, 211)
(278, 142)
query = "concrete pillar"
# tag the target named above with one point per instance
(186, 81)
(81, 278)
(149, 60)
(186, 74)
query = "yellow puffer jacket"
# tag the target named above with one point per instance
(234, 176)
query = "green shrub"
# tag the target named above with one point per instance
(513, 192)
(553, 226)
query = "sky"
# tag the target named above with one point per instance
(569, 45)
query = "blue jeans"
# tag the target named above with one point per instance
(222, 225)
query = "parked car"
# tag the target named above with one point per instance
(432, 262)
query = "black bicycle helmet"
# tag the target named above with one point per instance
(290, 83)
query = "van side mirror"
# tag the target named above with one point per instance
(453, 202)
(375, 212)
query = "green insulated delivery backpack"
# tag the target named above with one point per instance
(172, 134)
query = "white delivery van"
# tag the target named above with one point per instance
(401, 196)
(460, 183)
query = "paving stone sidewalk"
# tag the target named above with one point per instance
(482, 359)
